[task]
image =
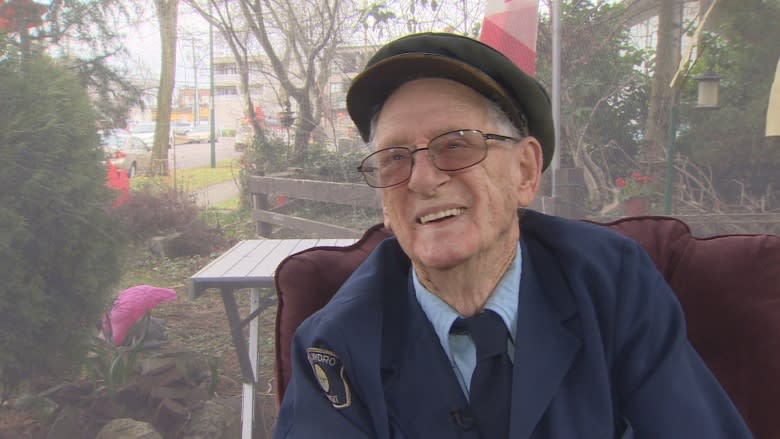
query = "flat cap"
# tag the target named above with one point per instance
(459, 58)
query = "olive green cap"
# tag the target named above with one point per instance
(462, 59)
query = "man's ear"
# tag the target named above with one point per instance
(529, 165)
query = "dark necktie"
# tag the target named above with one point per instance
(491, 383)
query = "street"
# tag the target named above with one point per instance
(194, 155)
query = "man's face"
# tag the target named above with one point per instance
(478, 205)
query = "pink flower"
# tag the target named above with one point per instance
(131, 305)
(620, 182)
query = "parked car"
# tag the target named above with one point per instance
(196, 134)
(180, 127)
(244, 137)
(130, 153)
(144, 131)
(113, 138)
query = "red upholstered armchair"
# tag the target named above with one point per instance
(729, 287)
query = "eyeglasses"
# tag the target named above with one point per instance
(451, 151)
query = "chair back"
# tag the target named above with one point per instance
(728, 285)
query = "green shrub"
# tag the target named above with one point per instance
(60, 252)
(268, 154)
(324, 164)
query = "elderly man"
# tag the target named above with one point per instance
(482, 319)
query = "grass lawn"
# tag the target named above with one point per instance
(230, 204)
(192, 179)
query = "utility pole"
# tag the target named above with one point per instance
(556, 92)
(212, 119)
(196, 115)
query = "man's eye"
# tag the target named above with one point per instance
(454, 145)
(392, 159)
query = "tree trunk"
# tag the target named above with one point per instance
(304, 126)
(166, 15)
(303, 57)
(662, 95)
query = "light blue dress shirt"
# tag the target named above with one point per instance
(460, 348)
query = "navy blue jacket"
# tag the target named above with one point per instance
(601, 352)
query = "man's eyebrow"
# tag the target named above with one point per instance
(392, 143)
(412, 146)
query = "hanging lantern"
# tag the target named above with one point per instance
(286, 117)
(709, 83)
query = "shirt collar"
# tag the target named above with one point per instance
(503, 300)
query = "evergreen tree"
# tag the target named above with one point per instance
(88, 36)
(59, 249)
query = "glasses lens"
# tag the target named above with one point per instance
(458, 149)
(387, 167)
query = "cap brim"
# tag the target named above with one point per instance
(373, 86)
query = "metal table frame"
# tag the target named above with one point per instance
(249, 264)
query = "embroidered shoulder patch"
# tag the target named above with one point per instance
(329, 371)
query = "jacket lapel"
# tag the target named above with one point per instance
(420, 388)
(544, 346)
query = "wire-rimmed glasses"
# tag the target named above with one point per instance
(451, 151)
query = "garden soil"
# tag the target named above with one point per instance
(198, 326)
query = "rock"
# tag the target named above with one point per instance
(69, 393)
(194, 366)
(214, 419)
(66, 424)
(160, 245)
(170, 416)
(105, 407)
(126, 428)
(43, 407)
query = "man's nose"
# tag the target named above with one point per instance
(425, 177)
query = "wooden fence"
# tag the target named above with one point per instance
(266, 214)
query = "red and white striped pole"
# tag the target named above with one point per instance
(510, 27)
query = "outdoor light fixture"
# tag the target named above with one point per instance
(287, 117)
(709, 83)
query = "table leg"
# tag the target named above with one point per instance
(234, 319)
(248, 388)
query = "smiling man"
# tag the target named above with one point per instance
(481, 318)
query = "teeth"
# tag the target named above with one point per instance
(439, 215)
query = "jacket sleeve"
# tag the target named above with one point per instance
(306, 411)
(663, 388)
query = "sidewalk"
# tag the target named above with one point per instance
(216, 193)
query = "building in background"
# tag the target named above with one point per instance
(335, 130)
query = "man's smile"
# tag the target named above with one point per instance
(434, 216)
